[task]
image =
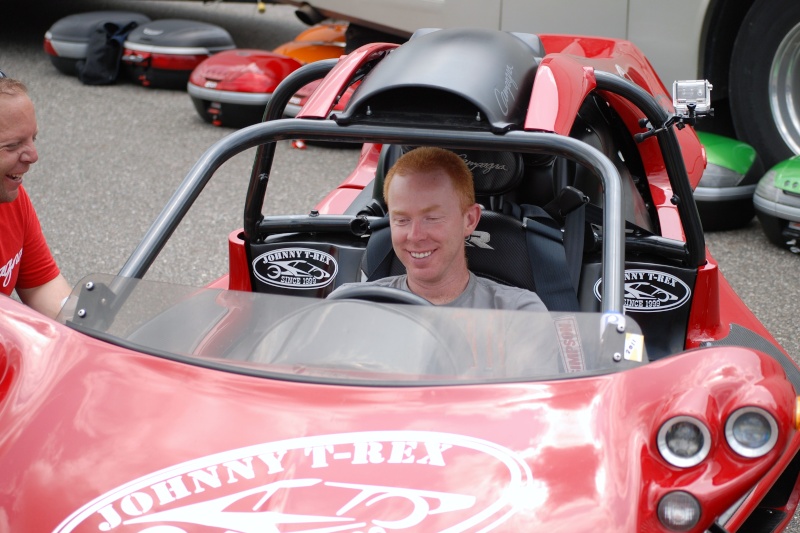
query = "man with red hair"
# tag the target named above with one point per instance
(430, 196)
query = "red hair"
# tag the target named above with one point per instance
(428, 159)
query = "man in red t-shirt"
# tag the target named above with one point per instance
(26, 264)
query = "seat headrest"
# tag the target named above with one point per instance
(494, 173)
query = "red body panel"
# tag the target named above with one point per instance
(124, 436)
(552, 108)
(238, 264)
(343, 196)
(565, 78)
(243, 70)
(99, 437)
(323, 99)
(337, 200)
(716, 306)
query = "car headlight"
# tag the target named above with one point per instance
(751, 431)
(684, 441)
(679, 511)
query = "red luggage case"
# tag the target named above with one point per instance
(232, 88)
(163, 53)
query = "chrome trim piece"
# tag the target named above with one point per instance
(228, 97)
(776, 209)
(724, 194)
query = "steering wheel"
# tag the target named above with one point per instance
(378, 294)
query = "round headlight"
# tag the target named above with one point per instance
(679, 511)
(751, 431)
(684, 441)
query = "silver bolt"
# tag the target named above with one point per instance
(82, 313)
(89, 285)
(617, 357)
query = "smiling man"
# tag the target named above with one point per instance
(26, 264)
(431, 201)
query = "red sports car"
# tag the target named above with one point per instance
(648, 398)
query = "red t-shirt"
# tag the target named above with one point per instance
(25, 259)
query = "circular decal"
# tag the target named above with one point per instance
(295, 268)
(651, 291)
(362, 482)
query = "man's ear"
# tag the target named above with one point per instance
(471, 217)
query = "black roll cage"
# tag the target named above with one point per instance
(266, 134)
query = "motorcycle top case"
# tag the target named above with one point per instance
(67, 39)
(163, 53)
(232, 88)
(323, 41)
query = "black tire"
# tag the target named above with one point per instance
(763, 116)
(724, 216)
(773, 228)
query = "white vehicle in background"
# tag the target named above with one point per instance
(748, 49)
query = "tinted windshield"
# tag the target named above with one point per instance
(347, 340)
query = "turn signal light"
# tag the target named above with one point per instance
(797, 413)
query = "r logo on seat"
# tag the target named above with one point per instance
(480, 239)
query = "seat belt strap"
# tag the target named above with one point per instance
(574, 229)
(548, 261)
(379, 253)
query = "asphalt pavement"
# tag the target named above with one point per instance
(111, 156)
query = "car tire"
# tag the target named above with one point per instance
(765, 80)
(725, 216)
(773, 228)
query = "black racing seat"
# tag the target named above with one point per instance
(517, 245)
(496, 175)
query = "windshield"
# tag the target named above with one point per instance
(349, 341)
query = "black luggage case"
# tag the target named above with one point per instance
(163, 53)
(67, 39)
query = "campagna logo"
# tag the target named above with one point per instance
(296, 268)
(651, 291)
(485, 167)
(7, 270)
(506, 94)
(365, 482)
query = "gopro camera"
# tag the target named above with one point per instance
(695, 94)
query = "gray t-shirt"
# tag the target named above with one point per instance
(481, 293)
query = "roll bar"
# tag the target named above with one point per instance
(326, 130)
(266, 134)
